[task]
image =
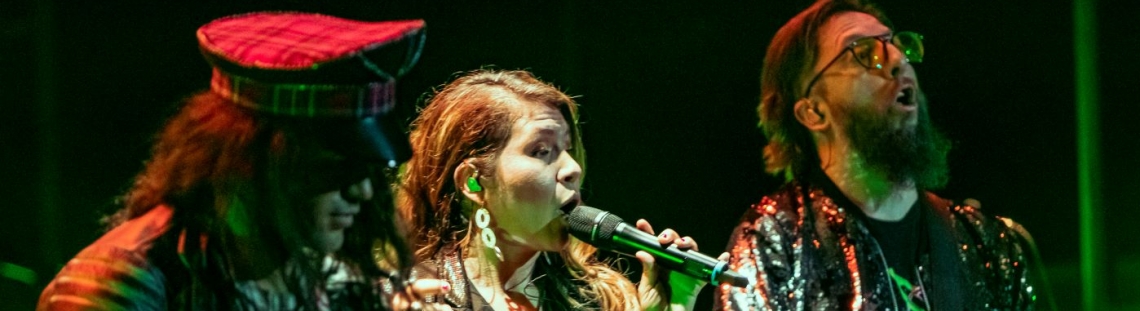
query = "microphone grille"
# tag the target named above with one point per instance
(592, 225)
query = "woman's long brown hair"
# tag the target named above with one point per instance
(471, 118)
(214, 157)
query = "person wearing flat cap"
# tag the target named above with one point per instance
(267, 190)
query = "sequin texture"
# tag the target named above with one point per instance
(823, 258)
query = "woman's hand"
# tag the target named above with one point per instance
(662, 289)
(419, 289)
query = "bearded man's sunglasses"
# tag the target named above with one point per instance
(871, 52)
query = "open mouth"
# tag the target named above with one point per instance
(570, 205)
(907, 97)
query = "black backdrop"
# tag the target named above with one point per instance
(668, 94)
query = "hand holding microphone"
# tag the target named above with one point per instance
(659, 289)
(607, 231)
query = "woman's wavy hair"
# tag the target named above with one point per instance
(215, 159)
(788, 64)
(471, 118)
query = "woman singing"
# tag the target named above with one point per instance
(498, 162)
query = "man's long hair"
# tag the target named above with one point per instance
(471, 118)
(788, 64)
(215, 159)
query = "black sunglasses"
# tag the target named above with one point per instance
(871, 52)
(334, 174)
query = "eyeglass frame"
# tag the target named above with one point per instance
(882, 40)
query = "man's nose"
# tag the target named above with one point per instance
(896, 60)
(358, 191)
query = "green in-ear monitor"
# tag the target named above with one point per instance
(473, 184)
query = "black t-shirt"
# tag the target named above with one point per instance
(902, 243)
(899, 241)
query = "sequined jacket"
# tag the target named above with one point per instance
(824, 258)
(144, 264)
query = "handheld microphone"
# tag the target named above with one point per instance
(607, 231)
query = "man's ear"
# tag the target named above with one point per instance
(466, 170)
(813, 115)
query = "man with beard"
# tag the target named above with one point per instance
(855, 226)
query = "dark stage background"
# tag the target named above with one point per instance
(668, 94)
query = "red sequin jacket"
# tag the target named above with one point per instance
(825, 259)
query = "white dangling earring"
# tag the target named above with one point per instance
(483, 221)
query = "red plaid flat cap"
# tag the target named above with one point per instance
(305, 64)
(315, 66)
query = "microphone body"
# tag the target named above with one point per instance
(607, 231)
